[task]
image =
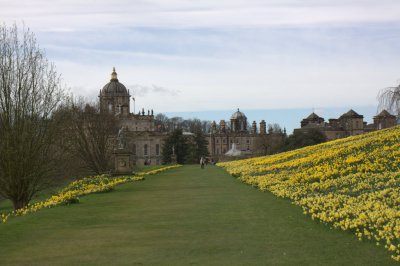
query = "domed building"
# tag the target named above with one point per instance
(114, 97)
(245, 141)
(142, 140)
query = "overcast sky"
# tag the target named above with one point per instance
(180, 56)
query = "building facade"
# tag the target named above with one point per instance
(348, 124)
(249, 141)
(144, 141)
(141, 138)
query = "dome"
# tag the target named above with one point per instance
(114, 87)
(238, 115)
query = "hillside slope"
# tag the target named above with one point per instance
(351, 183)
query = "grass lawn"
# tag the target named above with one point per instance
(184, 216)
(6, 205)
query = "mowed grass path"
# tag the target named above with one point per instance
(185, 216)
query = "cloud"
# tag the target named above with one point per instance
(74, 14)
(142, 90)
(221, 54)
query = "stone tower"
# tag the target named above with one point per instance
(238, 122)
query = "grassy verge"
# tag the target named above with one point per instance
(6, 205)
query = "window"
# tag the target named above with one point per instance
(134, 149)
(248, 141)
(217, 141)
(157, 149)
(217, 151)
(145, 150)
(110, 107)
(224, 141)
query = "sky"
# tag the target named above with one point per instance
(208, 58)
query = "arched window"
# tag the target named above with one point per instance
(145, 150)
(110, 107)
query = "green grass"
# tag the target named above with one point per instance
(146, 168)
(6, 205)
(185, 216)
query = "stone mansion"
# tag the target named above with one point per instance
(143, 141)
(348, 124)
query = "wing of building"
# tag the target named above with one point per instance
(237, 139)
(142, 139)
(348, 124)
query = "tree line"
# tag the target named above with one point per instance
(164, 123)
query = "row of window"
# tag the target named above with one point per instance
(146, 149)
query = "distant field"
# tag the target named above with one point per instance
(352, 183)
(184, 216)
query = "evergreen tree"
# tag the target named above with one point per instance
(177, 142)
(197, 147)
(301, 139)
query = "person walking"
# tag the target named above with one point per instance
(202, 161)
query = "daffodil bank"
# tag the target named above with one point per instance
(87, 185)
(352, 183)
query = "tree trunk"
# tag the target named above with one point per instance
(19, 204)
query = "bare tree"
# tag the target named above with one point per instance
(92, 135)
(161, 122)
(389, 99)
(274, 128)
(30, 92)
